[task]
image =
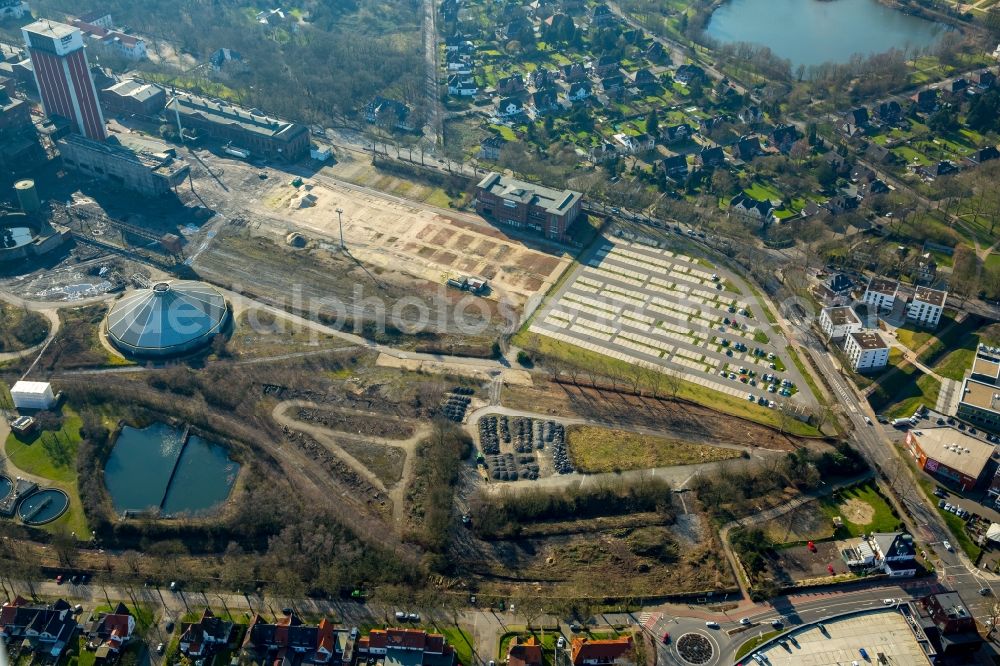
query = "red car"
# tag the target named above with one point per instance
(666, 637)
(59, 579)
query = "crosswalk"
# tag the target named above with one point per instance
(647, 620)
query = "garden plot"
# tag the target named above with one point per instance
(664, 311)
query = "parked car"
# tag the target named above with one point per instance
(888, 602)
(712, 624)
(59, 579)
(170, 627)
(413, 617)
(745, 621)
(400, 615)
(947, 546)
(159, 648)
(561, 643)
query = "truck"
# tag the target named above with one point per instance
(466, 283)
(896, 423)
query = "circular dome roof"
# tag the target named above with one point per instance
(169, 318)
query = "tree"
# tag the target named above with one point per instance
(653, 123)
(944, 120)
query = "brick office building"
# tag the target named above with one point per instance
(521, 205)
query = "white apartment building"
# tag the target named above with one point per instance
(881, 293)
(926, 307)
(866, 350)
(837, 322)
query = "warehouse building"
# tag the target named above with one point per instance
(32, 395)
(837, 322)
(950, 454)
(130, 97)
(152, 174)
(261, 135)
(521, 205)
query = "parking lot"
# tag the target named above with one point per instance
(878, 633)
(667, 311)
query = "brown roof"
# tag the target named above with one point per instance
(407, 638)
(842, 315)
(932, 296)
(601, 651)
(528, 653)
(869, 340)
(881, 285)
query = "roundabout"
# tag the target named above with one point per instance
(695, 648)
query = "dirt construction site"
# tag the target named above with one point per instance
(390, 234)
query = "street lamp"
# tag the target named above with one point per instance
(340, 222)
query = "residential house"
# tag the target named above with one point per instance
(526, 653)
(605, 66)
(956, 86)
(927, 100)
(675, 167)
(459, 43)
(950, 627)
(707, 125)
(586, 652)
(579, 91)
(207, 636)
(676, 133)
(840, 203)
(573, 72)
(462, 86)
(934, 171)
(99, 17)
(602, 15)
(889, 112)
(747, 148)
(544, 101)
(710, 158)
(644, 79)
(516, 29)
(866, 350)
(855, 121)
(685, 74)
(839, 283)
(290, 641)
(274, 16)
(509, 107)
(862, 174)
(876, 186)
(984, 79)
(838, 322)
(879, 154)
(491, 146)
(458, 63)
(112, 631)
(655, 52)
(42, 630)
(783, 137)
(405, 647)
(221, 58)
(927, 306)
(522, 205)
(543, 78)
(631, 145)
(449, 10)
(603, 151)
(128, 46)
(984, 155)
(895, 553)
(613, 85)
(13, 9)
(750, 115)
(388, 112)
(745, 205)
(881, 293)
(510, 85)
(924, 269)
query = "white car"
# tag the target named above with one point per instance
(400, 615)
(745, 621)
(947, 546)
(561, 643)
(889, 602)
(712, 624)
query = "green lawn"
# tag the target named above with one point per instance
(913, 337)
(800, 364)
(883, 518)
(761, 337)
(459, 639)
(763, 192)
(955, 364)
(749, 646)
(923, 392)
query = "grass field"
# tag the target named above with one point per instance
(594, 450)
(800, 364)
(749, 646)
(913, 337)
(52, 456)
(882, 517)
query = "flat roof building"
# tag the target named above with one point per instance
(881, 293)
(249, 129)
(866, 350)
(979, 403)
(837, 322)
(152, 174)
(927, 306)
(32, 395)
(950, 454)
(986, 365)
(949, 625)
(515, 203)
(129, 96)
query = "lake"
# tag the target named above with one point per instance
(138, 472)
(812, 32)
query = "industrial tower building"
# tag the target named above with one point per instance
(63, 77)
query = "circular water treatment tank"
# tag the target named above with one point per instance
(42, 507)
(168, 319)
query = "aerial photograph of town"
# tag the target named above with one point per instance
(499, 332)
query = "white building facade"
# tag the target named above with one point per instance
(926, 307)
(838, 322)
(866, 350)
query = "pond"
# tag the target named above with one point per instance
(44, 506)
(813, 32)
(151, 468)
